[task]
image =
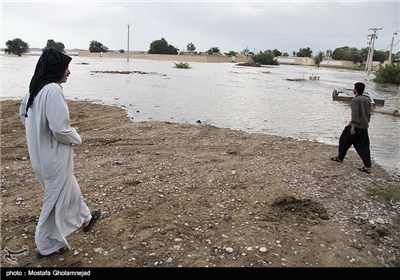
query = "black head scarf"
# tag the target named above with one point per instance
(50, 68)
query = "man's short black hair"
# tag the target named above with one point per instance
(359, 87)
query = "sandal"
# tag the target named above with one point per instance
(58, 252)
(93, 220)
(363, 169)
(336, 159)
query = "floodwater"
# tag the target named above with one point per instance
(258, 100)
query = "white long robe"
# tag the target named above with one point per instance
(50, 138)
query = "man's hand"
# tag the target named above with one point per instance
(353, 129)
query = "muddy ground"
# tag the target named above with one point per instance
(194, 195)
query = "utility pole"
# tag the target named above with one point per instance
(369, 52)
(328, 54)
(128, 42)
(371, 49)
(391, 48)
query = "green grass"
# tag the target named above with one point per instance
(388, 193)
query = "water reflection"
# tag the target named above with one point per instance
(258, 100)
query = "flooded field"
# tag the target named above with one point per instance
(279, 100)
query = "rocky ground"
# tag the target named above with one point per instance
(194, 195)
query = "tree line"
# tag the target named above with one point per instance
(267, 57)
(18, 47)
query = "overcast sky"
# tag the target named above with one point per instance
(229, 25)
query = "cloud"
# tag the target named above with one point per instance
(234, 25)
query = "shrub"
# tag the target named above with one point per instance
(182, 65)
(266, 58)
(388, 74)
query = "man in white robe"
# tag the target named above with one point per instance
(45, 115)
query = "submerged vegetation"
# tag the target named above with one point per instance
(182, 65)
(122, 72)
